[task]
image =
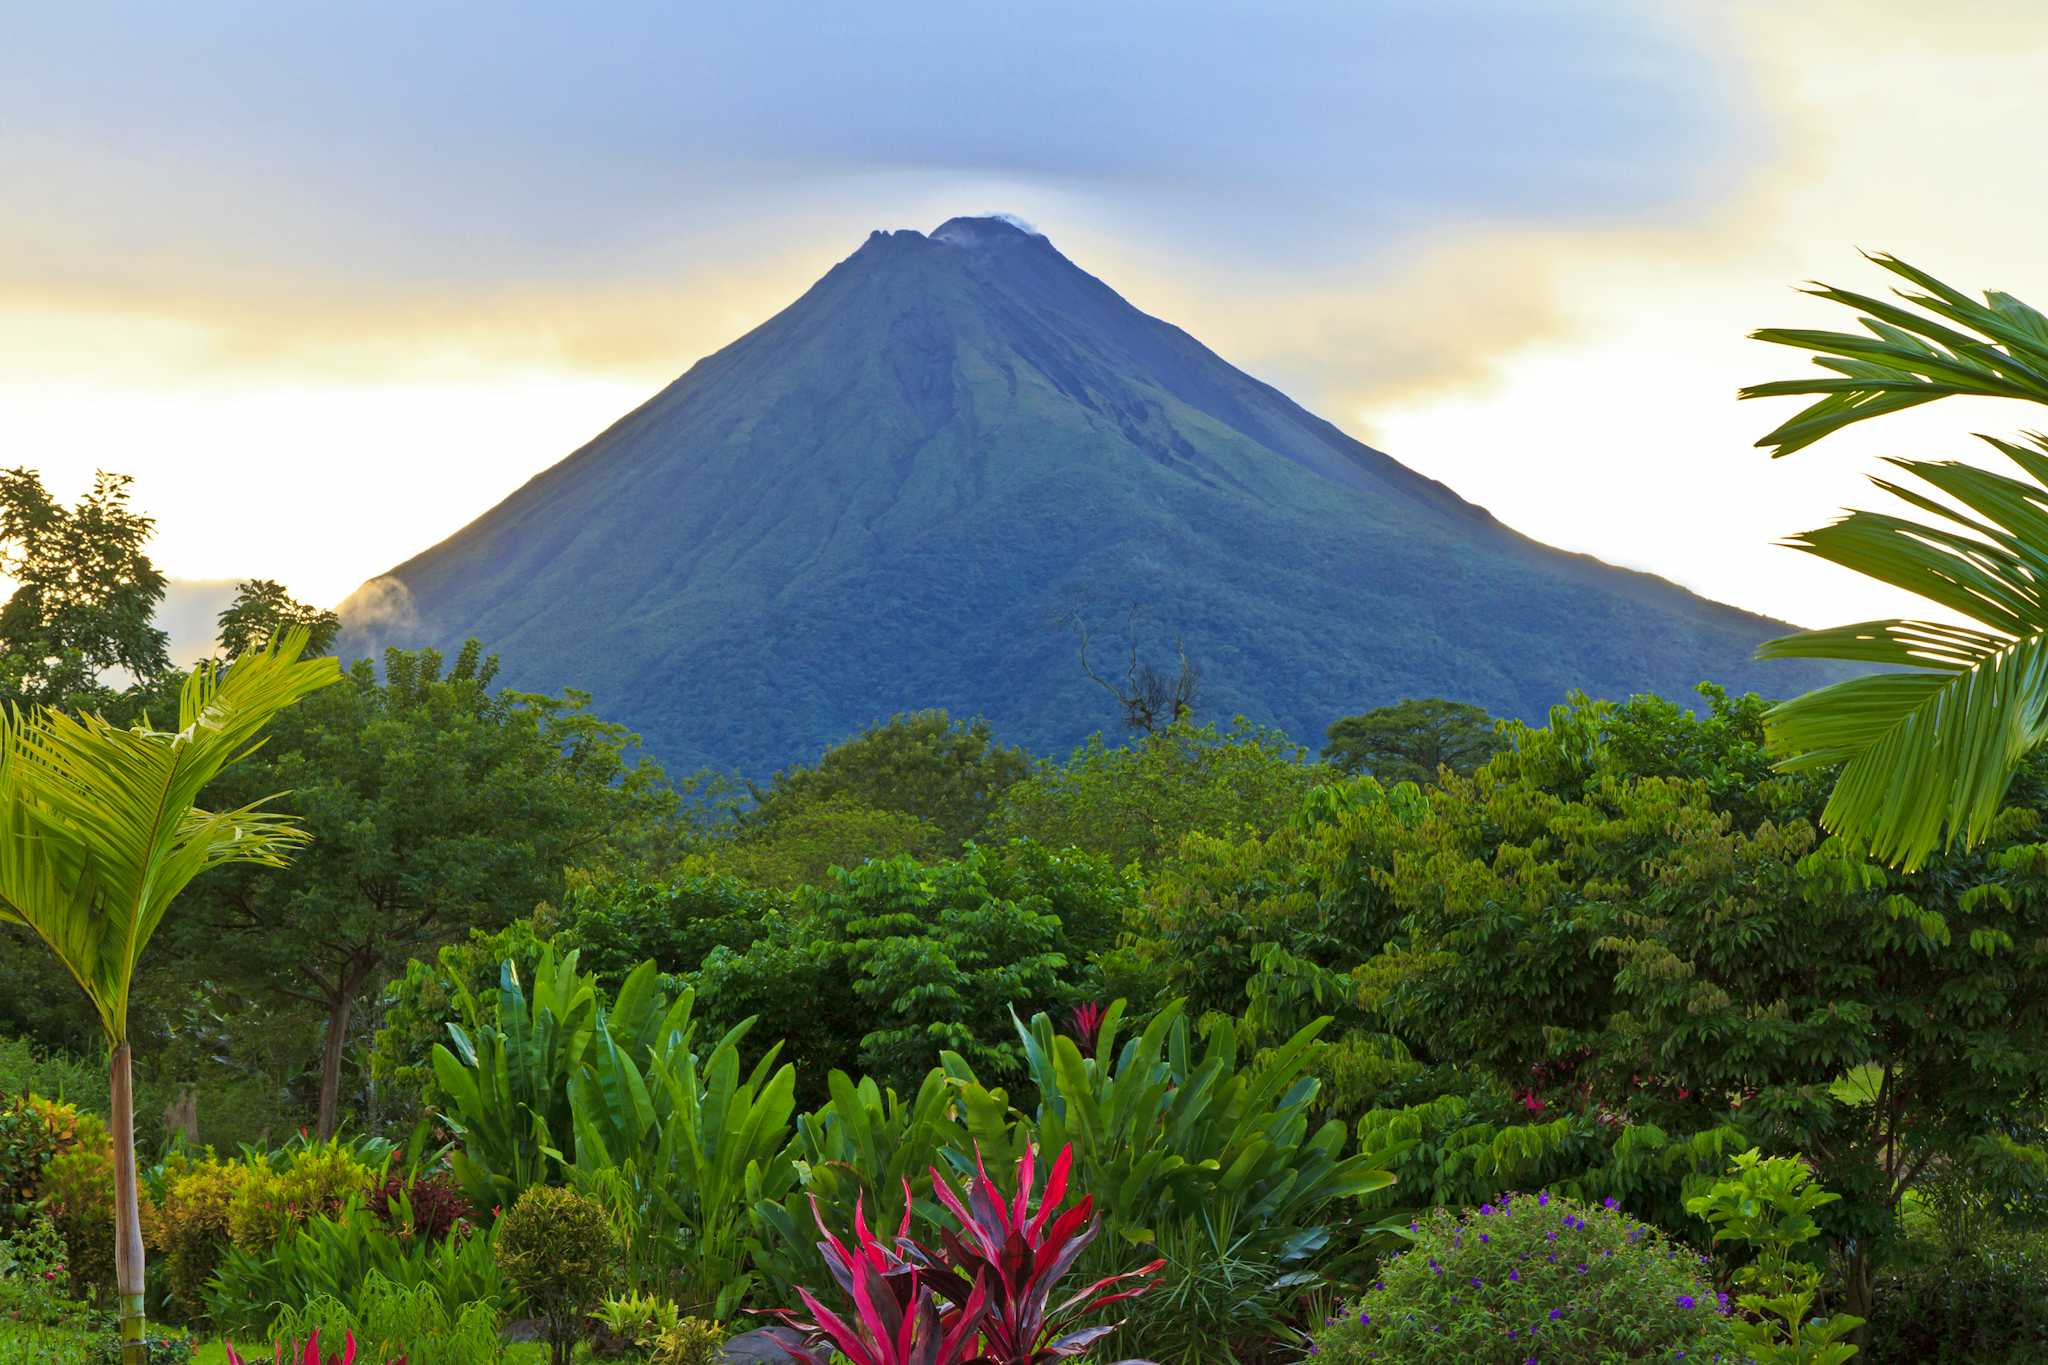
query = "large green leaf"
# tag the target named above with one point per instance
(100, 826)
(1927, 751)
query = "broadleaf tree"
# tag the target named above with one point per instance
(1411, 740)
(85, 594)
(440, 804)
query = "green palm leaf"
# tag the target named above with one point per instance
(100, 828)
(1926, 754)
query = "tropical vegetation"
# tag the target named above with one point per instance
(467, 1035)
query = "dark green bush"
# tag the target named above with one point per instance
(883, 966)
(1985, 1307)
(35, 1277)
(558, 1250)
(618, 923)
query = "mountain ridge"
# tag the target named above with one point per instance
(969, 409)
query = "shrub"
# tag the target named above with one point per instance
(25, 1144)
(78, 1195)
(557, 1248)
(71, 1129)
(306, 1353)
(193, 1230)
(314, 1180)
(627, 1324)
(429, 1206)
(336, 1256)
(1537, 1276)
(1190, 1141)
(35, 1277)
(1770, 1205)
(391, 1322)
(163, 1345)
(691, 1341)
(997, 1277)
(1986, 1307)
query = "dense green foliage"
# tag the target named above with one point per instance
(883, 966)
(1134, 803)
(436, 804)
(1409, 741)
(616, 923)
(557, 1250)
(923, 765)
(1532, 1277)
(1282, 1019)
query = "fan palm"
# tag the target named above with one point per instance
(1928, 748)
(99, 833)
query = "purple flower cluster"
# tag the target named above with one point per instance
(1570, 1315)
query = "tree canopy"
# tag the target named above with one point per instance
(437, 805)
(948, 774)
(1135, 802)
(85, 596)
(1410, 740)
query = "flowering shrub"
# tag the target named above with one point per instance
(35, 1277)
(1534, 1277)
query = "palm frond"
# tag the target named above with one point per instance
(1909, 357)
(100, 827)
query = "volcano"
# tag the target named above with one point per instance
(911, 487)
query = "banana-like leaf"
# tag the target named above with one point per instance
(1926, 753)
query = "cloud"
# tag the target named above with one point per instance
(190, 614)
(278, 155)
(369, 270)
(381, 606)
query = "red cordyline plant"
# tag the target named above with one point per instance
(984, 1297)
(1086, 1022)
(309, 1354)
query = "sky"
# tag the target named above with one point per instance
(331, 281)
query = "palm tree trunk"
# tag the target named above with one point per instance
(127, 1210)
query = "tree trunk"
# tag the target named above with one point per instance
(330, 1059)
(127, 1210)
(1857, 1291)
